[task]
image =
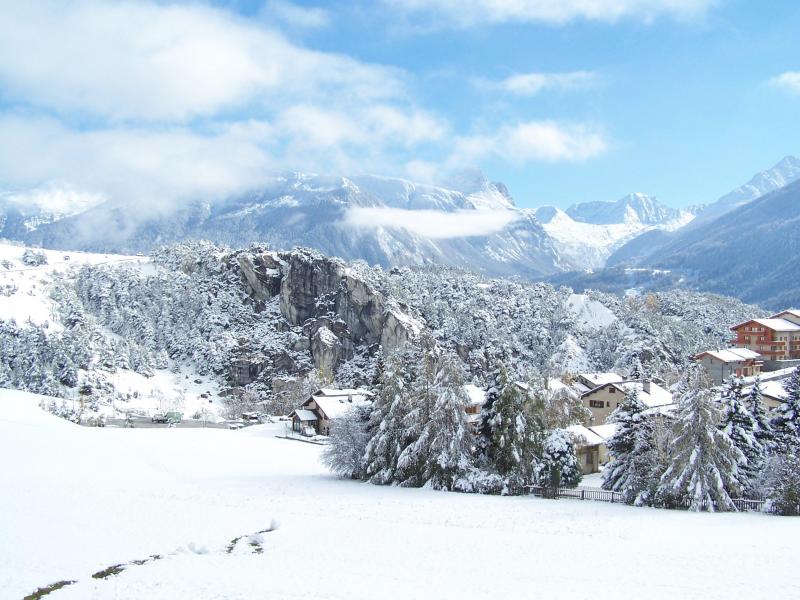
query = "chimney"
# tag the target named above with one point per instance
(646, 386)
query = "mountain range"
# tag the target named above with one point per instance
(468, 222)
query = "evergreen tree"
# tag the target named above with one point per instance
(390, 407)
(787, 416)
(510, 449)
(446, 438)
(784, 482)
(412, 461)
(740, 426)
(704, 465)
(559, 466)
(755, 404)
(497, 380)
(634, 463)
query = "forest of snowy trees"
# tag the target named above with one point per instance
(191, 307)
(713, 449)
(710, 451)
(416, 432)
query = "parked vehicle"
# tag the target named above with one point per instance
(167, 417)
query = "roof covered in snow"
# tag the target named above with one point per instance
(654, 395)
(731, 355)
(477, 397)
(305, 415)
(598, 379)
(335, 403)
(774, 324)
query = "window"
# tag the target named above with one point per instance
(612, 390)
(596, 403)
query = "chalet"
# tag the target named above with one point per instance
(602, 400)
(585, 382)
(775, 338)
(591, 446)
(733, 362)
(477, 398)
(324, 407)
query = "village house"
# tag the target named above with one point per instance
(604, 399)
(317, 414)
(477, 398)
(585, 382)
(733, 362)
(776, 338)
(591, 447)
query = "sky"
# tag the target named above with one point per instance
(154, 103)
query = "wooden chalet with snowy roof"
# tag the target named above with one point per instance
(325, 406)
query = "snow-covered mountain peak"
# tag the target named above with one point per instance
(784, 172)
(633, 208)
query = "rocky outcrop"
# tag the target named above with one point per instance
(263, 273)
(336, 309)
(326, 349)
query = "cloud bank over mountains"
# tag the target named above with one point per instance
(155, 103)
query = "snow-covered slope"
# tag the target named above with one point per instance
(382, 220)
(125, 495)
(633, 208)
(588, 241)
(784, 172)
(24, 293)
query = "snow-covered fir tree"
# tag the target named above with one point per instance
(446, 438)
(495, 383)
(422, 369)
(633, 470)
(559, 466)
(511, 450)
(783, 482)
(755, 405)
(738, 422)
(786, 421)
(387, 422)
(704, 466)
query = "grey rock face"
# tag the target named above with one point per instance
(326, 350)
(336, 310)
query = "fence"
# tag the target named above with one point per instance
(741, 504)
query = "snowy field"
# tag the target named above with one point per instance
(78, 500)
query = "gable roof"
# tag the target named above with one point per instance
(598, 379)
(335, 403)
(304, 415)
(730, 355)
(790, 311)
(657, 396)
(771, 323)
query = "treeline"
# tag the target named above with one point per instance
(711, 451)
(417, 432)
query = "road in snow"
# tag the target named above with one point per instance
(76, 500)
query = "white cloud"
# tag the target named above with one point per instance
(467, 13)
(432, 224)
(790, 81)
(58, 197)
(153, 104)
(297, 16)
(151, 61)
(152, 168)
(531, 84)
(532, 141)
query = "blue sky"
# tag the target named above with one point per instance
(563, 100)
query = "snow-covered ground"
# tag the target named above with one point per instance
(26, 297)
(77, 500)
